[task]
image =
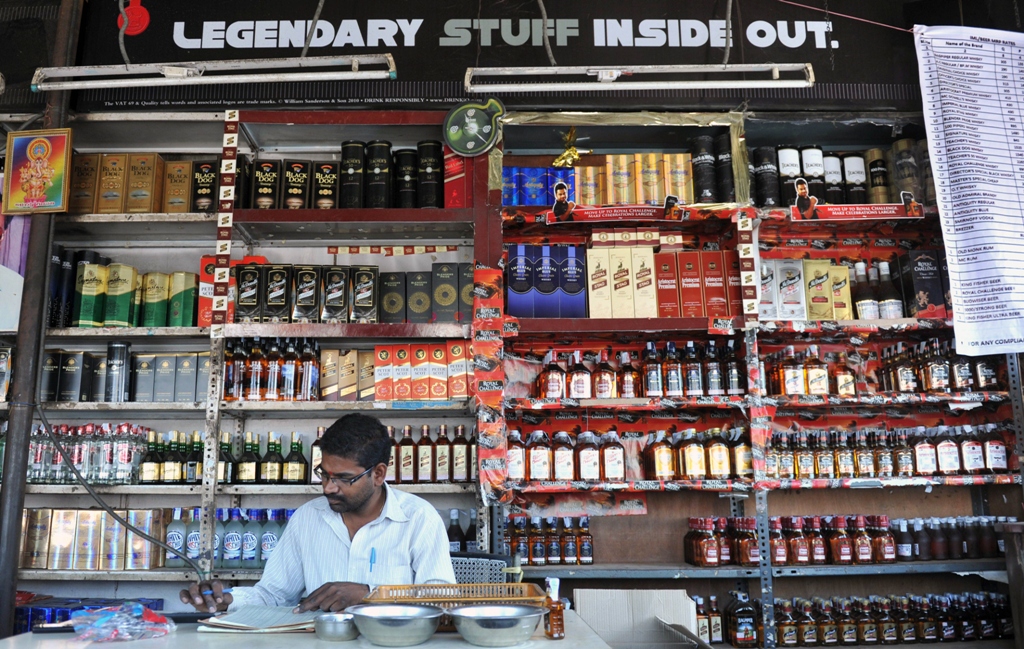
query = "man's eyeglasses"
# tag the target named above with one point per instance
(338, 481)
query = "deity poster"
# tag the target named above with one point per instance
(36, 171)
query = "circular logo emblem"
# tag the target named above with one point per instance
(393, 303)
(445, 295)
(419, 302)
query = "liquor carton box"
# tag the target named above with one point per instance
(645, 291)
(602, 238)
(249, 293)
(620, 262)
(625, 237)
(90, 305)
(944, 274)
(99, 379)
(202, 375)
(818, 289)
(145, 182)
(307, 294)
(666, 277)
(143, 376)
(733, 281)
(650, 237)
(74, 384)
(181, 303)
(670, 241)
(63, 529)
(599, 286)
(243, 180)
(842, 302)
(113, 177)
(445, 283)
(604, 611)
(402, 371)
(112, 542)
(789, 275)
(465, 292)
(186, 369)
(324, 191)
(334, 294)
(589, 187)
(921, 284)
(277, 295)
(348, 374)
(85, 182)
(6, 367)
(572, 294)
(156, 294)
(383, 373)
(620, 179)
(364, 294)
(163, 378)
(650, 178)
(328, 374)
(266, 184)
(36, 546)
(458, 367)
(392, 298)
(177, 191)
(419, 303)
(207, 270)
(438, 372)
(204, 185)
(295, 184)
(768, 307)
(691, 286)
(88, 535)
(120, 300)
(545, 287)
(365, 374)
(712, 274)
(420, 371)
(140, 554)
(520, 281)
(458, 179)
(49, 375)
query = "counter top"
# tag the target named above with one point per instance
(577, 636)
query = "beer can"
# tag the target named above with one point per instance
(834, 193)
(705, 187)
(855, 177)
(431, 174)
(509, 186)
(679, 177)
(116, 388)
(723, 168)
(377, 175)
(534, 185)
(406, 175)
(353, 158)
(566, 177)
(766, 176)
(620, 176)
(650, 178)
(588, 185)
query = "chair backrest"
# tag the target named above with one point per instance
(474, 568)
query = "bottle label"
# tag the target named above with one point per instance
(846, 552)
(175, 539)
(844, 461)
(715, 624)
(540, 464)
(890, 309)
(884, 462)
(817, 381)
(270, 472)
(603, 386)
(569, 550)
(673, 382)
(554, 550)
(907, 632)
(232, 546)
(786, 466)
(742, 460)
(753, 554)
(870, 633)
(554, 386)
(905, 550)
(818, 554)
(516, 465)
(995, 455)
(863, 551)
(938, 376)
(579, 386)
(249, 545)
(846, 384)
(865, 463)
(867, 310)
(268, 541)
(724, 552)
(849, 633)
(472, 546)
(926, 460)
(590, 465)
(771, 464)
(247, 472)
(614, 464)
(192, 544)
(443, 462)
(150, 472)
(906, 381)
(425, 462)
(654, 386)
(973, 455)
(718, 455)
(825, 464)
(948, 631)
(586, 552)
(694, 384)
(805, 465)
(793, 381)
(459, 463)
(294, 472)
(888, 550)
(454, 546)
(563, 464)
(693, 457)
(905, 462)
(746, 629)
(829, 633)
(801, 555)
(962, 376)
(628, 386)
(810, 635)
(949, 457)
(663, 469)
(787, 636)
(779, 554)
(889, 632)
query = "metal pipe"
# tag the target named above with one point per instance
(270, 77)
(597, 86)
(31, 329)
(701, 68)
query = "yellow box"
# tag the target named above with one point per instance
(818, 289)
(679, 177)
(650, 178)
(63, 531)
(88, 536)
(620, 264)
(620, 179)
(113, 545)
(85, 182)
(145, 182)
(36, 546)
(177, 189)
(842, 300)
(113, 180)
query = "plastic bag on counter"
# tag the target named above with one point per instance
(130, 621)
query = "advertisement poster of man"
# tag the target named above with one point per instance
(563, 207)
(805, 203)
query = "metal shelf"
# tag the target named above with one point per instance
(149, 410)
(832, 327)
(736, 486)
(898, 568)
(133, 334)
(292, 409)
(885, 399)
(172, 229)
(318, 226)
(317, 490)
(329, 331)
(236, 574)
(881, 483)
(123, 490)
(625, 405)
(638, 571)
(106, 575)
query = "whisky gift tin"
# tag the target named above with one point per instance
(430, 174)
(378, 174)
(406, 177)
(353, 155)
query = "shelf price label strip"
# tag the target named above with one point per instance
(225, 221)
(390, 251)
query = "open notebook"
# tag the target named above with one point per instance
(261, 619)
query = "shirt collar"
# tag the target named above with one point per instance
(392, 509)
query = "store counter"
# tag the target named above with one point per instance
(577, 636)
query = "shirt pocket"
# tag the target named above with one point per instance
(384, 574)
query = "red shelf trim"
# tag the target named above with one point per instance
(395, 215)
(633, 486)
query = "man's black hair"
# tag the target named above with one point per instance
(357, 437)
(801, 181)
(561, 185)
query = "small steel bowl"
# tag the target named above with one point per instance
(501, 625)
(335, 627)
(396, 625)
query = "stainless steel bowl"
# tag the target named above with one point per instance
(335, 627)
(396, 625)
(499, 625)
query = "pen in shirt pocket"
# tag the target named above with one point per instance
(373, 558)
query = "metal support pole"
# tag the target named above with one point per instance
(737, 510)
(31, 329)
(767, 590)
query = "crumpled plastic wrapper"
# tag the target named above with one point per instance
(130, 621)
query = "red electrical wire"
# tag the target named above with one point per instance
(834, 13)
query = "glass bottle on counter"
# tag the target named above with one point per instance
(862, 546)
(538, 457)
(563, 456)
(673, 372)
(863, 295)
(554, 621)
(613, 458)
(605, 383)
(308, 378)
(630, 381)
(588, 458)
(735, 377)
(715, 624)
(579, 380)
(271, 465)
(515, 455)
(806, 625)
(173, 471)
(551, 383)
(840, 543)
(654, 374)
(391, 475)
(425, 453)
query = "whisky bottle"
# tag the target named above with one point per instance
(613, 458)
(719, 465)
(816, 372)
(272, 464)
(803, 457)
(194, 461)
(174, 462)
(863, 295)
(714, 372)
(442, 456)
(605, 383)
(425, 456)
(793, 380)
(579, 380)
(654, 383)
(588, 458)
(552, 379)
(538, 457)
(660, 463)
(824, 460)
(230, 387)
(846, 465)
(255, 373)
(275, 384)
(563, 456)
(630, 381)
(515, 456)
(460, 455)
(947, 451)
(890, 303)
(295, 466)
(151, 467)
(289, 371)
(694, 371)
(316, 455)
(247, 468)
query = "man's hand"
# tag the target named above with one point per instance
(218, 600)
(334, 596)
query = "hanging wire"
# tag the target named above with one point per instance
(544, 27)
(312, 28)
(831, 52)
(120, 33)
(728, 32)
(961, 5)
(836, 13)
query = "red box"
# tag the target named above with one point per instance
(458, 365)
(712, 275)
(625, 237)
(666, 274)
(438, 372)
(602, 238)
(383, 374)
(458, 180)
(207, 268)
(420, 374)
(402, 372)
(648, 237)
(691, 287)
(733, 281)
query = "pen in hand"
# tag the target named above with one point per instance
(210, 592)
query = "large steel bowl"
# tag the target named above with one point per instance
(499, 625)
(396, 625)
(335, 627)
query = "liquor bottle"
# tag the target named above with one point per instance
(748, 551)
(442, 456)
(309, 383)
(231, 548)
(563, 457)
(816, 372)
(151, 467)
(613, 458)
(520, 540)
(673, 371)
(742, 454)
(888, 629)
(192, 537)
(654, 376)
(824, 459)
(425, 452)
(552, 541)
(945, 625)
(927, 627)
(515, 455)
(295, 466)
(785, 625)
(230, 393)
(251, 532)
(255, 372)
(719, 466)
(771, 458)
(692, 457)
(272, 464)
(588, 458)
(904, 543)
(175, 538)
(239, 358)
(247, 467)
(630, 382)
(316, 455)
(715, 626)
(862, 549)
(777, 544)
(994, 448)
(741, 622)
(798, 548)
(473, 465)
(579, 381)
(725, 542)
(885, 462)
(791, 374)
(840, 543)
(456, 537)
(391, 475)
(939, 542)
(586, 542)
(816, 542)
(803, 457)
(863, 295)
(862, 455)
(947, 451)
(289, 371)
(194, 461)
(538, 457)
(552, 379)
(735, 377)
(554, 621)
(693, 371)
(806, 626)
(660, 461)
(828, 628)
(703, 625)
(937, 369)
(890, 303)
(846, 625)
(569, 542)
(537, 543)
(605, 383)
(225, 462)
(986, 377)
(714, 371)
(883, 545)
(867, 627)
(460, 455)
(787, 462)
(274, 379)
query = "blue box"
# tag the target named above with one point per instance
(546, 273)
(563, 175)
(520, 281)
(511, 193)
(22, 619)
(572, 281)
(534, 184)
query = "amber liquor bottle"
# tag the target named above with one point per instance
(442, 455)
(579, 382)
(551, 381)
(605, 383)
(406, 469)
(630, 382)
(425, 456)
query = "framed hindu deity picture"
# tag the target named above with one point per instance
(36, 172)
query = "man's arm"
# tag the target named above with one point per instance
(431, 562)
(283, 581)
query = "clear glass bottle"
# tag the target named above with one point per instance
(274, 382)
(673, 372)
(538, 457)
(588, 458)
(579, 382)
(255, 372)
(551, 383)
(654, 374)
(289, 371)
(630, 381)
(605, 383)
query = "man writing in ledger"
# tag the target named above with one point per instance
(360, 535)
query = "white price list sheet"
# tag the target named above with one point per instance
(972, 85)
